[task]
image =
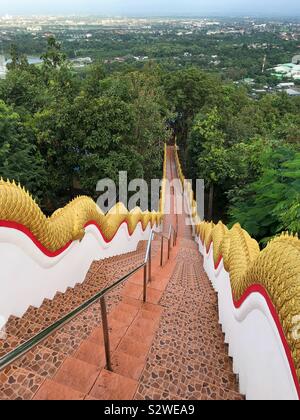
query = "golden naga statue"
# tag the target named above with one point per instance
(68, 224)
(276, 269)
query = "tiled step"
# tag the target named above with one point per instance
(64, 343)
(54, 391)
(18, 384)
(170, 348)
(21, 328)
(70, 341)
(41, 316)
(41, 361)
(9, 343)
(111, 386)
(129, 319)
(77, 375)
(58, 305)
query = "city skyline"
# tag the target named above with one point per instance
(152, 8)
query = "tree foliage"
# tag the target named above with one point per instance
(83, 129)
(20, 159)
(61, 131)
(271, 203)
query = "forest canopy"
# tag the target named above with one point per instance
(61, 131)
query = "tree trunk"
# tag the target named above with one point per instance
(210, 202)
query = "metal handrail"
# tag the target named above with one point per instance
(162, 235)
(167, 238)
(24, 348)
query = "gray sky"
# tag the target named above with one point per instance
(152, 7)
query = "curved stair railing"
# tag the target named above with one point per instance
(19, 211)
(24, 348)
(55, 252)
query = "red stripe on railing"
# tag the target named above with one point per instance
(46, 251)
(257, 288)
(218, 262)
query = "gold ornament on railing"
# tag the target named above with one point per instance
(218, 234)
(68, 224)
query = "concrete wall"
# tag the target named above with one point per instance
(28, 276)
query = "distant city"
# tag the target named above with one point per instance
(289, 29)
(254, 51)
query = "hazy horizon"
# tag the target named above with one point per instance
(153, 8)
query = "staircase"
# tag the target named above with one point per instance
(171, 347)
(188, 358)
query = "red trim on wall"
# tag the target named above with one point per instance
(30, 235)
(46, 251)
(93, 223)
(218, 262)
(257, 288)
(208, 247)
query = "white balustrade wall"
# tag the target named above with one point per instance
(28, 276)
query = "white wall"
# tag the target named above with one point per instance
(28, 276)
(259, 356)
(254, 341)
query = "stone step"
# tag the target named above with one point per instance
(19, 384)
(75, 340)
(112, 386)
(172, 347)
(22, 328)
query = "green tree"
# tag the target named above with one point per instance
(94, 76)
(211, 159)
(145, 97)
(188, 91)
(17, 60)
(24, 90)
(19, 158)
(53, 57)
(77, 141)
(271, 204)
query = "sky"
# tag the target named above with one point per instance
(152, 7)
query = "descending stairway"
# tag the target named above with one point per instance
(188, 358)
(171, 347)
(44, 361)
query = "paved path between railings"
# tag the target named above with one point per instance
(172, 347)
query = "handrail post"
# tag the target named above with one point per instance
(105, 333)
(145, 284)
(169, 241)
(147, 264)
(162, 251)
(150, 262)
